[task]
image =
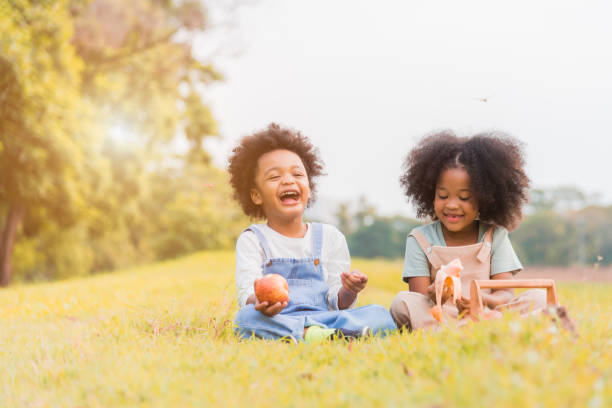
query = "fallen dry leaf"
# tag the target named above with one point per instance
(407, 371)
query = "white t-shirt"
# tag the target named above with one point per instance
(250, 257)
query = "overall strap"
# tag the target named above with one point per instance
(317, 240)
(262, 240)
(487, 243)
(433, 258)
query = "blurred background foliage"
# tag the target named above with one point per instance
(102, 165)
(561, 227)
(102, 123)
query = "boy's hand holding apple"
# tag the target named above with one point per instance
(271, 294)
(270, 309)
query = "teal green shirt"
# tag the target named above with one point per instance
(503, 257)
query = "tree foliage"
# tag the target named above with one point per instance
(385, 237)
(102, 123)
(576, 237)
(561, 230)
(370, 235)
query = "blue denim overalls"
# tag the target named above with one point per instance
(307, 300)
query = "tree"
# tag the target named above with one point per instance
(546, 238)
(344, 218)
(42, 120)
(10, 121)
(384, 237)
(191, 211)
(140, 68)
(563, 198)
(70, 71)
(595, 234)
(370, 235)
(365, 213)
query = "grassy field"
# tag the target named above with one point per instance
(160, 335)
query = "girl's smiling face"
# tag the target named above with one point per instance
(455, 204)
(281, 187)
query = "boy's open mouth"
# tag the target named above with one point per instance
(290, 197)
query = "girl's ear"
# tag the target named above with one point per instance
(256, 197)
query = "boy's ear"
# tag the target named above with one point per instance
(256, 197)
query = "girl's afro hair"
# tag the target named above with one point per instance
(493, 160)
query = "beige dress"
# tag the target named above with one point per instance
(411, 309)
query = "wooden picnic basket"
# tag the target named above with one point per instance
(476, 306)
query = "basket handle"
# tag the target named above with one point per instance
(476, 297)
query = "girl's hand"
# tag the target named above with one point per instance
(446, 293)
(431, 292)
(463, 305)
(270, 309)
(354, 281)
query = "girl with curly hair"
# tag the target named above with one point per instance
(473, 189)
(273, 176)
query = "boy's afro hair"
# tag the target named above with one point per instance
(243, 162)
(493, 160)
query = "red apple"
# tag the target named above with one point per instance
(272, 288)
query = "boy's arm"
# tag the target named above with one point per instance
(346, 298)
(249, 259)
(338, 261)
(352, 283)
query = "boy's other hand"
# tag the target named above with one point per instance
(270, 309)
(354, 281)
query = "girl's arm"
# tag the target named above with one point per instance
(420, 284)
(504, 265)
(424, 286)
(416, 267)
(495, 298)
(499, 296)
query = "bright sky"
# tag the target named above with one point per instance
(366, 79)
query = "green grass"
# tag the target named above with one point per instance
(160, 335)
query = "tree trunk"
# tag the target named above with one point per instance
(7, 240)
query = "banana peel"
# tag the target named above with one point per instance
(447, 285)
